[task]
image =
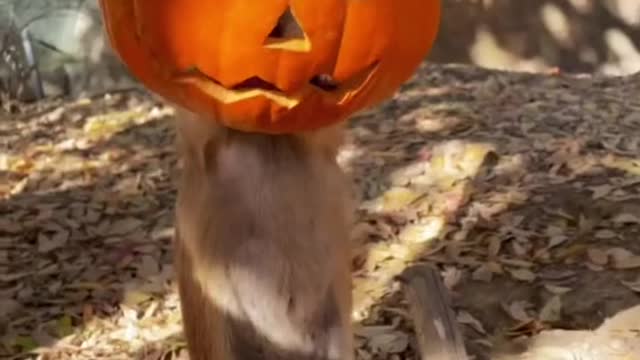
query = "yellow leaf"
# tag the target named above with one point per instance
(64, 326)
(398, 197)
(428, 230)
(108, 124)
(133, 298)
(25, 343)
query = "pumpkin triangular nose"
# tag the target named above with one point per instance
(287, 34)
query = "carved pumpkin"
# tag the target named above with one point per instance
(273, 66)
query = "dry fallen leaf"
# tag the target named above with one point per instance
(398, 198)
(605, 234)
(624, 259)
(389, 343)
(428, 230)
(133, 298)
(557, 290)
(495, 244)
(125, 226)
(552, 310)
(451, 276)
(557, 240)
(601, 191)
(517, 310)
(632, 285)
(148, 267)
(626, 218)
(466, 318)
(598, 256)
(522, 274)
(48, 243)
(482, 273)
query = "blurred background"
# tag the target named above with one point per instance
(57, 47)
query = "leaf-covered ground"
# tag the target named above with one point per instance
(524, 189)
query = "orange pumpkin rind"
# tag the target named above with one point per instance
(225, 60)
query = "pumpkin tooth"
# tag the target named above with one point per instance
(229, 96)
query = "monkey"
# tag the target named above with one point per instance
(261, 251)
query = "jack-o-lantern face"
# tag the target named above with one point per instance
(274, 66)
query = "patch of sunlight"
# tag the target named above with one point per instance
(107, 125)
(582, 6)
(56, 157)
(615, 338)
(626, 10)
(434, 189)
(626, 57)
(557, 23)
(486, 52)
(628, 165)
(148, 314)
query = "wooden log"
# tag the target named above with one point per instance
(437, 332)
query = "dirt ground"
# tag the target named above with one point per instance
(523, 189)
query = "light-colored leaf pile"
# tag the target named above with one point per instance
(523, 189)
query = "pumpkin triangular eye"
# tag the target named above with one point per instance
(287, 27)
(287, 34)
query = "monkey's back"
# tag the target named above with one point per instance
(262, 244)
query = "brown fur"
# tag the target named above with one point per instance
(262, 255)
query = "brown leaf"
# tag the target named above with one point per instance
(451, 277)
(390, 343)
(48, 243)
(626, 218)
(552, 310)
(632, 285)
(517, 310)
(557, 290)
(8, 307)
(624, 259)
(522, 274)
(148, 267)
(466, 318)
(9, 226)
(598, 256)
(125, 226)
(557, 240)
(495, 244)
(482, 273)
(601, 191)
(605, 234)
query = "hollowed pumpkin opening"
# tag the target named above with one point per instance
(287, 34)
(324, 82)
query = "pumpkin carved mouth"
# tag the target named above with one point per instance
(256, 86)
